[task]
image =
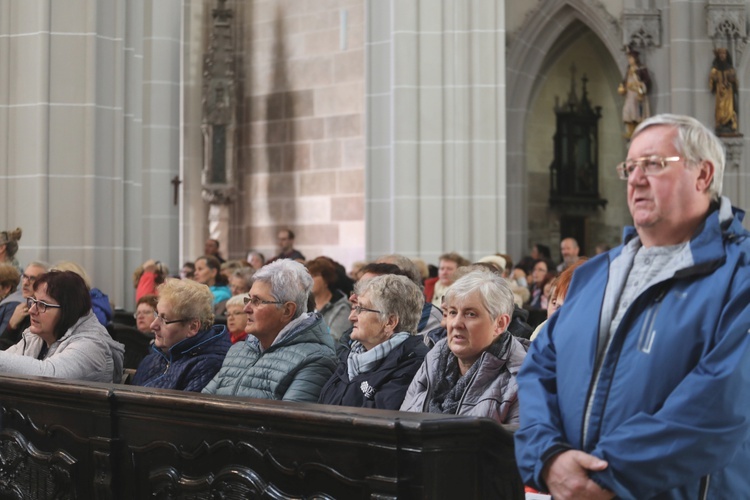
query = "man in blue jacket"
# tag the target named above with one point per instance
(639, 387)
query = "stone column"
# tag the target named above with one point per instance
(90, 111)
(436, 177)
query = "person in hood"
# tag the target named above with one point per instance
(65, 340)
(288, 353)
(188, 348)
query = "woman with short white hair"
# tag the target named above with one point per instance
(473, 370)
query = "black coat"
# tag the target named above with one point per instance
(384, 387)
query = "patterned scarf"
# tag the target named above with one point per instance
(451, 385)
(361, 360)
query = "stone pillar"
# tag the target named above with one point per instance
(90, 111)
(436, 177)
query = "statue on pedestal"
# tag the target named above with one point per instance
(723, 84)
(635, 87)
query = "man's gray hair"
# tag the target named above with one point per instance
(246, 274)
(695, 142)
(494, 290)
(289, 282)
(39, 263)
(406, 265)
(397, 295)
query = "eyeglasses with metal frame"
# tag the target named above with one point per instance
(649, 165)
(164, 320)
(358, 309)
(41, 306)
(255, 301)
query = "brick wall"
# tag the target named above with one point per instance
(302, 126)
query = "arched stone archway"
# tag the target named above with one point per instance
(529, 50)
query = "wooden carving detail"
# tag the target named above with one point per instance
(26, 472)
(232, 481)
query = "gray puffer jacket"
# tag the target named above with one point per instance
(294, 368)
(492, 392)
(85, 352)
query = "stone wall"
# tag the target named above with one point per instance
(301, 152)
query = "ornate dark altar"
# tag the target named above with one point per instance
(574, 172)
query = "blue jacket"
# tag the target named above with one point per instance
(101, 307)
(671, 407)
(384, 387)
(188, 365)
(293, 368)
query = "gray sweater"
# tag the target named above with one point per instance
(85, 352)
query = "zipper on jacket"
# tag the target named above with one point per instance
(651, 317)
(647, 335)
(468, 386)
(705, 481)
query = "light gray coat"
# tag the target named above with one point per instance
(492, 391)
(85, 352)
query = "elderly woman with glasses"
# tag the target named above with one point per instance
(188, 348)
(65, 340)
(472, 371)
(385, 350)
(289, 353)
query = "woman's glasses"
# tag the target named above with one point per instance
(164, 320)
(41, 306)
(255, 301)
(358, 310)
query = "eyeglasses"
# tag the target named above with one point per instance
(358, 310)
(650, 165)
(40, 305)
(164, 320)
(255, 301)
(137, 314)
(30, 279)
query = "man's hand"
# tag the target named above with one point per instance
(567, 476)
(19, 314)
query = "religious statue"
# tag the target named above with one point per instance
(723, 84)
(635, 87)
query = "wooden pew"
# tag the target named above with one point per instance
(62, 439)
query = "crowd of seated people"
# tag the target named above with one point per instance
(294, 331)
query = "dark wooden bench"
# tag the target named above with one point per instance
(63, 439)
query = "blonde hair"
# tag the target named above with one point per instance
(189, 300)
(67, 265)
